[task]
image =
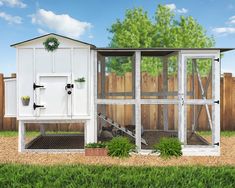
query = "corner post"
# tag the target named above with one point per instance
(21, 138)
(137, 99)
(181, 97)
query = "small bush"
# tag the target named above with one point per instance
(168, 147)
(96, 145)
(120, 147)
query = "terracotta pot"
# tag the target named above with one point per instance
(96, 152)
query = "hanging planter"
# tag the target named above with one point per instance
(25, 100)
(80, 82)
(51, 44)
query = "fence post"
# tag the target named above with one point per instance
(1, 101)
(227, 102)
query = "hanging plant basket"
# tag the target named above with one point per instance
(80, 83)
(51, 44)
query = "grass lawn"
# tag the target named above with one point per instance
(115, 176)
(34, 133)
(222, 133)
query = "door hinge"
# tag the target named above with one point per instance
(37, 106)
(36, 86)
(217, 59)
(216, 144)
(217, 102)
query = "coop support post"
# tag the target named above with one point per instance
(165, 90)
(103, 107)
(216, 96)
(21, 137)
(42, 129)
(137, 99)
(181, 96)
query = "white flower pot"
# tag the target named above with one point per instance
(80, 85)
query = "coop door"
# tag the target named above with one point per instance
(53, 96)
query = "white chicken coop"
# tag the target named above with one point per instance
(69, 85)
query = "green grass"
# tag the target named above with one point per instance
(222, 133)
(30, 133)
(115, 176)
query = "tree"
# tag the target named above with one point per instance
(138, 31)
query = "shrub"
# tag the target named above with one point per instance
(96, 145)
(168, 147)
(120, 147)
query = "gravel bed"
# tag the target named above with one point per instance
(9, 154)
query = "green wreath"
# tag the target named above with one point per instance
(51, 44)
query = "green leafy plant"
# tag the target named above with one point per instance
(82, 79)
(96, 145)
(168, 147)
(51, 44)
(25, 98)
(120, 147)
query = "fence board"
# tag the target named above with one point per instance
(152, 115)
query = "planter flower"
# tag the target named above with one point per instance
(80, 82)
(25, 100)
(96, 149)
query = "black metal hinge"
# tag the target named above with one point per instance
(37, 106)
(217, 59)
(36, 86)
(216, 144)
(217, 102)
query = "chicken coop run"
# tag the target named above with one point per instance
(142, 93)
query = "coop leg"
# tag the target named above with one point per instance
(42, 129)
(21, 138)
(90, 131)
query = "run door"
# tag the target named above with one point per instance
(53, 96)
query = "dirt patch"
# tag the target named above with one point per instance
(9, 154)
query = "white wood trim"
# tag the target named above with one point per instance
(137, 100)
(21, 137)
(216, 95)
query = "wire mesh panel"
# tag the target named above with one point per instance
(55, 136)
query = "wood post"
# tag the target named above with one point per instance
(227, 102)
(1, 101)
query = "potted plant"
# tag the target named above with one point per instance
(96, 149)
(80, 82)
(25, 100)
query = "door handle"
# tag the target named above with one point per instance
(37, 106)
(68, 86)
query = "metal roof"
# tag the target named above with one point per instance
(150, 51)
(16, 44)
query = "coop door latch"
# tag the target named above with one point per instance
(68, 88)
(37, 86)
(37, 106)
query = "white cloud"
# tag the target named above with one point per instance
(41, 31)
(224, 30)
(231, 20)
(11, 19)
(60, 23)
(90, 36)
(172, 7)
(182, 11)
(13, 3)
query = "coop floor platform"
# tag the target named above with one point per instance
(57, 142)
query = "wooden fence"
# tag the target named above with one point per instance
(152, 115)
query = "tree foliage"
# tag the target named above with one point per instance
(137, 30)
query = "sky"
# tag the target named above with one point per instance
(88, 21)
